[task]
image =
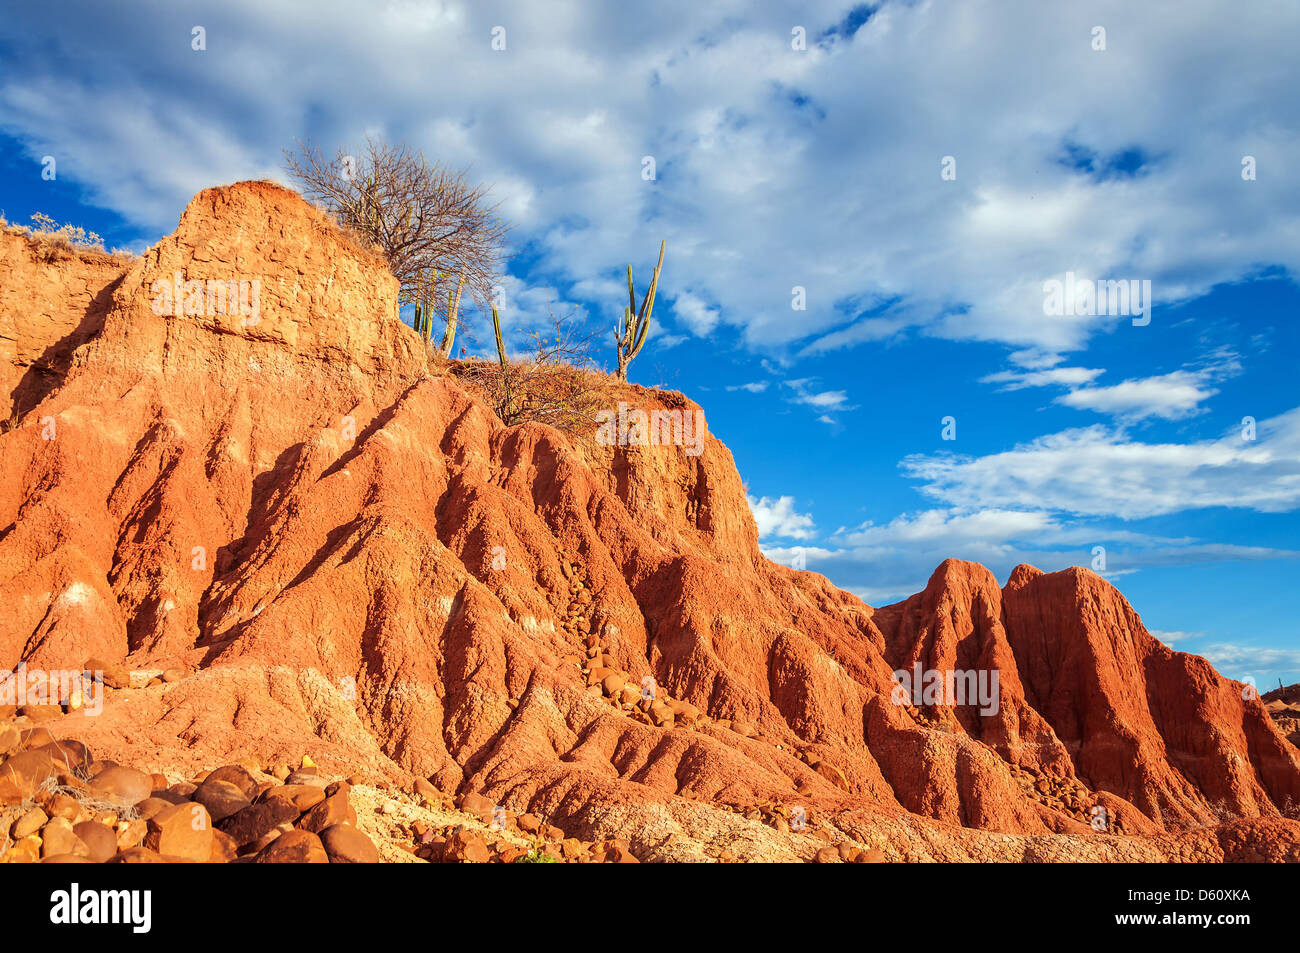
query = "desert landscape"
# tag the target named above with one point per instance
(287, 589)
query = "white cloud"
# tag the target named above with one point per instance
(1255, 661)
(778, 518)
(1171, 638)
(1096, 471)
(894, 560)
(1169, 396)
(773, 168)
(691, 310)
(806, 393)
(948, 526)
(754, 387)
(1035, 360)
(1057, 376)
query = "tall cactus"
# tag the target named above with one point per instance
(453, 310)
(507, 409)
(424, 309)
(630, 332)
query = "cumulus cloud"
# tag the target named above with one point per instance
(691, 311)
(1251, 660)
(1098, 471)
(1170, 396)
(1172, 638)
(804, 391)
(890, 561)
(773, 167)
(778, 518)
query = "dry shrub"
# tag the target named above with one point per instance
(55, 242)
(557, 384)
(420, 215)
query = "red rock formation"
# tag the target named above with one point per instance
(51, 300)
(310, 519)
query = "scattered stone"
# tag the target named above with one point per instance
(137, 855)
(111, 674)
(27, 771)
(58, 837)
(236, 774)
(422, 788)
(100, 840)
(294, 847)
(346, 845)
(131, 833)
(221, 798)
(224, 848)
(42, 713)
(255, 821)
(126, 786)
(302, 796)
(478, 805)
(26, 850)
(466, 847)
(67, 755)
(183, 831)
(306, 777)
(152, 806)
(29, 823)
(335, 809)
(63, 805)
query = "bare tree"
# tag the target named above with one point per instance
(427, 220)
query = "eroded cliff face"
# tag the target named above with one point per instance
(354, 558)
(52, 300)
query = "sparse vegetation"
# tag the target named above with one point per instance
(630, 333)
(425, 219)
(56, 241)
(425, 310)
(557, 384)
(537, 852)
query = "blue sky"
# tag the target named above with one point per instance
(819, 168)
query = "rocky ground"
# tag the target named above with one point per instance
(59, 804)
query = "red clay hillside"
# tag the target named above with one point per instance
(297, 537)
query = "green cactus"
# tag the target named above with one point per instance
(507, 408)
(630, 332)
(453, 310)
(424, 309)
(501, 347)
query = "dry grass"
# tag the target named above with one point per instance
(557, 384)
(54, 242)
(93, 801)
